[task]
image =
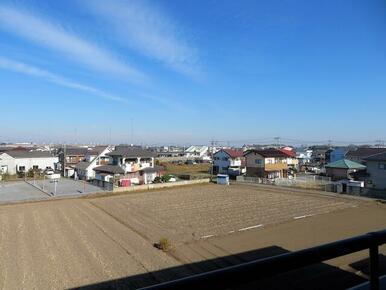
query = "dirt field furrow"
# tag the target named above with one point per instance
(81, 242)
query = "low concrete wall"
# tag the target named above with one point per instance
(160, 185)
(366, 192)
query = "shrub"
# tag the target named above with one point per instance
(163, 244)
(166, 177)
(30, 173)
(5, 176)
(157, 180)
(20, 174)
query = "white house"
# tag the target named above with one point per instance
(229, 161)
(127, 166)
(94, 157)
(12, 162)
(304, 156)
(197, 152)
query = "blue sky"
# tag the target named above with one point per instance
(189, 71)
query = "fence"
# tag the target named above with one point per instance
(312, 182)
(357, 191)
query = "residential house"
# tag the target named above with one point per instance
(361, 153)
(96, 156)
(341, 169)
(335, 154)
(292, 161)
(13, 162)
(197, 152)
(128, 165)
(318, 156)
(303, 156)
(376, 168)
(267, 163)
(69, 158)
(229, 161)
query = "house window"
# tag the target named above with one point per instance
(22, 168)
(382, 166)
(258, 161)
(35, 167)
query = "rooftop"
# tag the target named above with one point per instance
(377, 157)
(267, 153)
(76, 151)
(128, 151)
(82, 165)
(364, 152)
(233, 153)
(345, 164)
(29, 154)
(114, 169)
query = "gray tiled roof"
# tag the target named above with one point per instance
(82, 165)
(96, 150)
(29, 154)
(364, 152)
(115, 169)
(128, 151)
(377, 157)
(81, 151)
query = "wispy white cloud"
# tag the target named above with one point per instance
(144, 27)
(55, 37)
(19, 67)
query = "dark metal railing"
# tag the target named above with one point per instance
(258, 269)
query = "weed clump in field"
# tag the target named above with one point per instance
(163, 244)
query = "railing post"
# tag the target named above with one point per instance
(374, 267)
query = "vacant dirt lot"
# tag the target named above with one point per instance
(186, 168)
(70, 243)
(192, 213)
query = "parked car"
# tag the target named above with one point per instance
(49, 171)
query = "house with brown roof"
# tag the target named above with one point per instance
(229, 161)
(360, 154)
(69, 157)
(267, 163)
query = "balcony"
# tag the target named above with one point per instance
(275, 167)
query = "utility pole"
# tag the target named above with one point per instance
(277, 140)
(131, 131)
(64, 158)
(211, 153)
(379, 143)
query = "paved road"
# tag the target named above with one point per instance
(43, 189)
(68, 187)
(18, 191)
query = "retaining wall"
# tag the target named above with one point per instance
(159, 185)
